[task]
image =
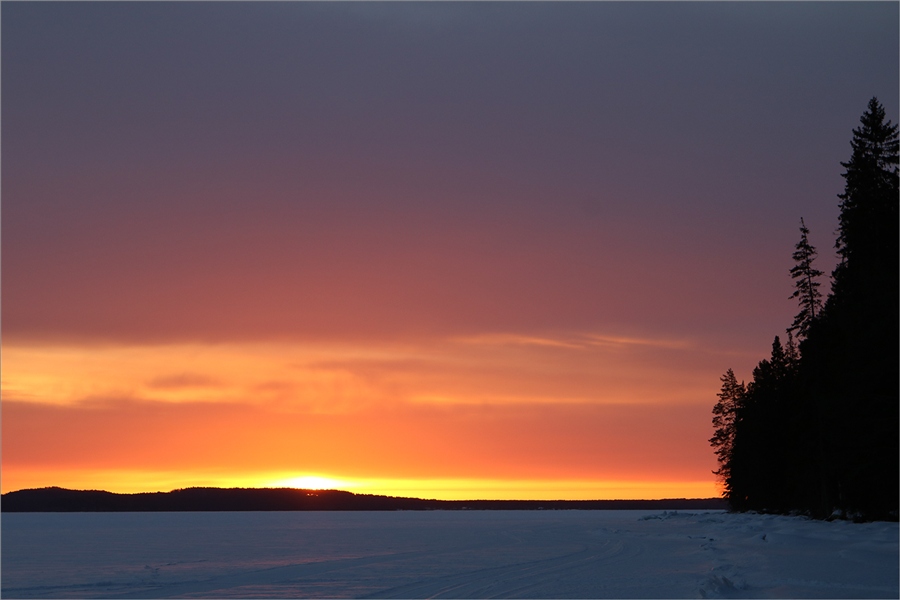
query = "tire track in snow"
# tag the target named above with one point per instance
(273, 575)
(517, 579)
(298, 574)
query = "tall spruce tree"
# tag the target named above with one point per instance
(806, 283)
(869, 202)
(725, 411)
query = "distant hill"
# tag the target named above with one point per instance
(55, 499)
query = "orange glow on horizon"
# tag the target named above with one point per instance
(128, 482)
(493, 416)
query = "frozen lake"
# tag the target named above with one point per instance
(460, 554)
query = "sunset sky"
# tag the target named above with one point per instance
(453, 250)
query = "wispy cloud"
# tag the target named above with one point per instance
(183, 380)
(505, 339)
(578, 341)
(594, 339)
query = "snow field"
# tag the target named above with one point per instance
(458, 554)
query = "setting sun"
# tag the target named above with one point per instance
(312, 482)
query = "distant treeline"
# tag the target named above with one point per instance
(56, 499)
(815, 431)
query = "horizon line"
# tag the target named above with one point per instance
(316, 491)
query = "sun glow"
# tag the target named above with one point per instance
(312, 482)
(130, 482)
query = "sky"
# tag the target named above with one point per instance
(451, 250)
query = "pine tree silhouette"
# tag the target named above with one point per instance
(806, 284)
(870, 193)
(724, 414)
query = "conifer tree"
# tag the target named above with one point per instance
(724, 414)
(791, 353)
(869, 202)
(806, 284)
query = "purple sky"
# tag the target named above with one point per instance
(642, 165)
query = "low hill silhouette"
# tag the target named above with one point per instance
(55, 499)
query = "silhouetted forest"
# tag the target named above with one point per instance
(815, 431)
(56, 499)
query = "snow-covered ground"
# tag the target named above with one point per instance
(549, 554)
